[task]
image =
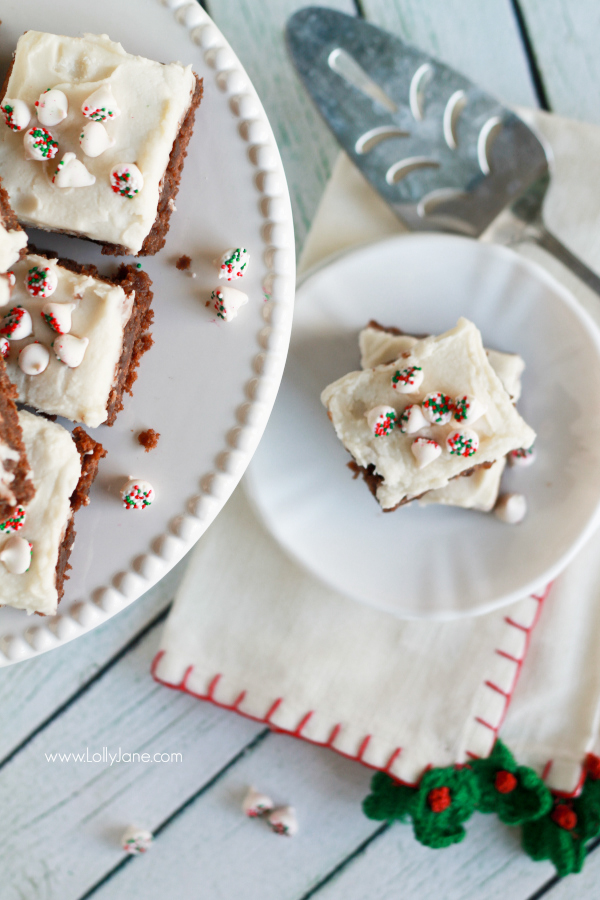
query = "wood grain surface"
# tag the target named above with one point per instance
(61, 824)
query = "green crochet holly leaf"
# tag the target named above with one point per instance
(515, 793)
(388, 800)
(560, 835)
(445, 799)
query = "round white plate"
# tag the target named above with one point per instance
(435, 562)
(206, 386)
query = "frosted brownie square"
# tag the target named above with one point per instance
(427, 418)
(94, 139)
(75, 338)
(64, 467)
(379, 345)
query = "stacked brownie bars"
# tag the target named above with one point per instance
(93, 145)
(436, 413)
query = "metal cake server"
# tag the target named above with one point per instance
(446, 155)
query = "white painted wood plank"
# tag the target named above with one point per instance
(482, 40)
(61, 822)
(30, 691)
(565, 37)
(582, 886)
(218, 853)
(255, 30)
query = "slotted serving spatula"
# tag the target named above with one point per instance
(446, 155)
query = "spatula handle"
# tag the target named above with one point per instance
(551, 244)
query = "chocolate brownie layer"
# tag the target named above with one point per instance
(8, 216)
(90, 452)
(20, 490)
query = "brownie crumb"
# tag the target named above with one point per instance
(207, 303)
(148, 439)
(183, 263)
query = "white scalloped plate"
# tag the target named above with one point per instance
(434, 562)
(206, 386)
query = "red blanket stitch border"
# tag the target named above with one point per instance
(297, 732)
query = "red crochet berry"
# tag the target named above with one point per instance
(505, 782)
(592, 765)
(439, 799)
(564, 817)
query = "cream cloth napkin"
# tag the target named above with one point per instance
(253, 632)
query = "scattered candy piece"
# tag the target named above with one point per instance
(14, 522)
(522, 457)
(71, 172)
(407, 381)
(34, 358)
(468, 409)
(4, 348)
(462, 443)
(183, 263)
(16, 555)
(233, 263)
(425, 451)
(438, 408)
(227, 301)
(283, 821)
(39, 144)
(256, 804)
(58, 316)
(16, 114)
(101, 105)
(95, 139)
(41, 281)
(52, 107)
(412, 419)
(136, 840)
(17, 324)
(70, 349)
(511, 508)
(126, 180)
(137, 494)
(381, 420)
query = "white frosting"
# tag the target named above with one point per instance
(17, 324)
(511, 508)
(227, 301)
(16, 555)
(101, 313)
(381, 420)
(233, 264)
(255, 803)
(380, 347)
(95, 139)
(39, 144)
(11, 244)
(477, 491)
(153, 100)
(412, 419)
(284, 821)
(425, 451)
(52, 107)
(16, 114)
(71, 172)
(455, 363)
(5, 290)
(56, 469)
(137, 494)
(58, 316)
(101, 105)
(34, 358)
(136, 840)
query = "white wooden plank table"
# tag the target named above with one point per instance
(61, 822)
